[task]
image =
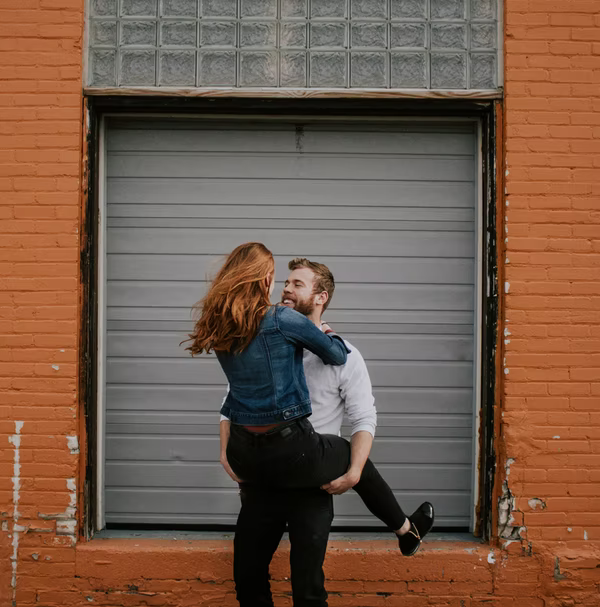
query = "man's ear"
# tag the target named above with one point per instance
(322, 298)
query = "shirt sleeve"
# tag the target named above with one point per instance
(356, 390)
(330, 348)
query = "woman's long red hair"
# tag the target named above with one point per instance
(229, 315)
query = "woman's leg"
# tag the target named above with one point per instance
(300, 457)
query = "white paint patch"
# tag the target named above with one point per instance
(73, 444)
(62, 350)
(55, 367)
(585, 535)
(507, 260)
(569, 529)
(506, 287)
(506, 371)
(72, 487)
(507, 202)
(15, 440)
(506, 332)
(556, 436)
(491, 559)
(506, 342)
(507, 173)
(509, 462)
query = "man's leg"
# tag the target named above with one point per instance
(310, 513)
(260, 525)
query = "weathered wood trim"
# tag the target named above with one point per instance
(491, 351)
(296, 93)
(87, 325)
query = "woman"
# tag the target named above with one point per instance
(259, 347)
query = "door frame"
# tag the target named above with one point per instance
(93, 259)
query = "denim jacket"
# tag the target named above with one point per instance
(266, 380)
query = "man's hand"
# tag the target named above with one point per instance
(343, 483)
(228, 469)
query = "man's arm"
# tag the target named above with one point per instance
(361, 447)
(224, 428)
(355, 389)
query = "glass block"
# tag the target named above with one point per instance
(179, 8)
(178, 33)
(103, 33)
(448, 71)
(409, 35)
(371, 35)
(104, 8)
(102, 68)
(218, 8)
(294, 8)
(372, 9)
(258, 34)
(483, 9)
(328, 69)
(408, 9)
(368, 70)
(139, 8)
(293, 69)
(218, 34)
(447, 9)
(448, 36)
(328, 8)
(293, 35)
(484, 36)
(177, 68)
(328, 34)
(138, 67)
(138, 33)
(409, 70)
(259, 8)
(483, 71)
(216, 68)
(258, 69)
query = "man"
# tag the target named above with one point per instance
(308, 513)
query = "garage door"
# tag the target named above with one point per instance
(390, 208)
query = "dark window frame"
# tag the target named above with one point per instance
(487, 111)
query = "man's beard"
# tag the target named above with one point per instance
(304, 306)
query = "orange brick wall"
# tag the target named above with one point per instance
(548, 549)
(551, 412)
(40, 158)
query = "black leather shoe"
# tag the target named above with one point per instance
(421, 522)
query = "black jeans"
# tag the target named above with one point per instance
(261, 523)
(296, 456)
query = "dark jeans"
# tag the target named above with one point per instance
(261, 523)
(298, 457)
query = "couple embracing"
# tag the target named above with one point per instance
(283, 366)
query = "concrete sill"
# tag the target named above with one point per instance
(127, 557)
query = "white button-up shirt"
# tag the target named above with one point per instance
(335, 390)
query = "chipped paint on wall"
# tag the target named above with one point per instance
(15, 440)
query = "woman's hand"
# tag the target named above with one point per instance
(228, 469)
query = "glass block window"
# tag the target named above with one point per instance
(380, 44)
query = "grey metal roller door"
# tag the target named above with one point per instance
(390, 208)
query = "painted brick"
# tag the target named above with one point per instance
(551, 388)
